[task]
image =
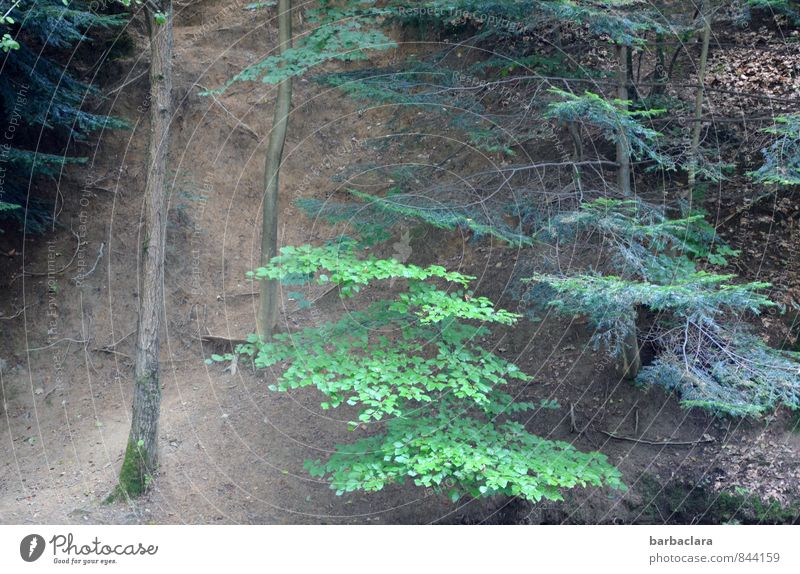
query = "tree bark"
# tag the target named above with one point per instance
(577, 143)
(659, 86)
(141, 455)
(623, 154)
(633, 92)
(269, 295)
(630, 348)
(698, 110)
(631, 358)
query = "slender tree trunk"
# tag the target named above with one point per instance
(631, 358)
(577, 143)
(269, 294)
(698, 110)
(630, 348)
(623, 153)
(659, 86)
(141, 454)
(633, 92)
(558, 40)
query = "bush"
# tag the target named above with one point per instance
(413, 363)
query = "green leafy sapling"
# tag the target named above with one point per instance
(412, 366)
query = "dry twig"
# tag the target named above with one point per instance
(656, 442)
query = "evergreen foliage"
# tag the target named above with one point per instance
(787, 8)
(700, 298)
(782, 158)
(705, 351)
(502, 18)
(657, 261)
(339, 33)
(372, 218)
(438, 91)
(643, 241)
(725, 370)
(37, 93)
(613, 119)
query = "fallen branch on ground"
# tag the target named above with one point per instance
(656, 442)
(219, 340)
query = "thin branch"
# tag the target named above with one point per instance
(234, 295)
(239, 123)
(745, 208)
(78, 278)
(219, 340)
(128, 83)
(488, 85)
(113, 345)
(319, 298)
(112, 352)
(67, 266)
(50, 392)
(655, 442)
(14, 5)
(15, 315)
(64, 340)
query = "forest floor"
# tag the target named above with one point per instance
(232, 452)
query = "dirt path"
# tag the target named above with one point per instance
(232, 452)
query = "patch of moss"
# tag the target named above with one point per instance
(134, 479)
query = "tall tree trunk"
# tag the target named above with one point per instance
(659, 86)
(631, 361)
(631, 357)
(269, 295)
(633, 92)
(577, 144)
(141, 454)
(698, 109)
(623, 153)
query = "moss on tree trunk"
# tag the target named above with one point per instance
(141, 453)
(134, 476)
